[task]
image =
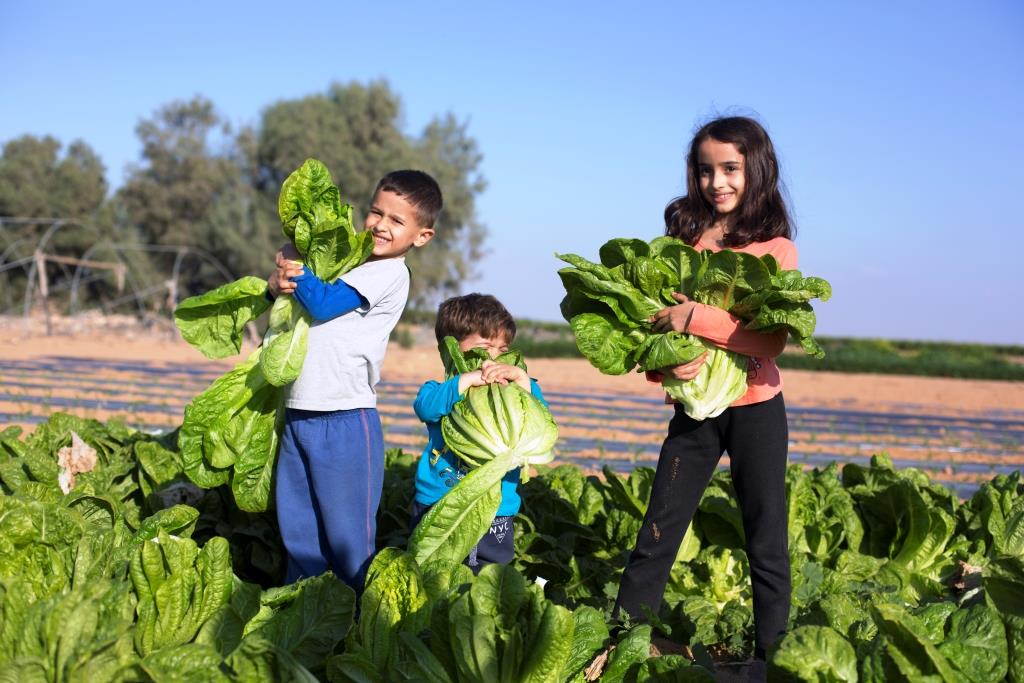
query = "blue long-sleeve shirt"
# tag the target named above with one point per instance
(325, 301)
(440, 469)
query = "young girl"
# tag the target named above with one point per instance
(732, 202)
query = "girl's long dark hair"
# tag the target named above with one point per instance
(762, 210)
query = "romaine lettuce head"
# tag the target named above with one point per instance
(722, 380)
(497, 419)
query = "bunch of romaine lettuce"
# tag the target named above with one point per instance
(230, 431)
(494, 429)
(609, 304)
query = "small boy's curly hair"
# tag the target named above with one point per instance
(461, 316)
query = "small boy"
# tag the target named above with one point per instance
(330, 467)
(476, 321)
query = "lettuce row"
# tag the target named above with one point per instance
(609, 304)
(884, 589)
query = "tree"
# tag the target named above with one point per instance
(36, 182)
(194, 189)
(446, 151)
(202, 185)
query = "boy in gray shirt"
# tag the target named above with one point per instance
(330, 467)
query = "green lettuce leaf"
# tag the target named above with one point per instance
(321, 228)
(458, 521)
(815, 654)
(284, 344)
(230, 434)
(310, 625)
(214, 322)
(722, 379)
(395, 600)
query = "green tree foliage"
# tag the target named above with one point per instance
(36, 181)
(192, 190)
(448, 153)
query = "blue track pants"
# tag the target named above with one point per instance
(330, 472)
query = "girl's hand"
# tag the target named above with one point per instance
(674, 318)
(503, 374)
(686, 371)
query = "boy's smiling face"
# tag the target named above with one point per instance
(395, 224)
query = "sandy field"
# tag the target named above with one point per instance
(21, 340)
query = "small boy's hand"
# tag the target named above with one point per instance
(471, 379)
(503, 374)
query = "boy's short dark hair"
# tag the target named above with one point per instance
(419, 189)
(461, 316)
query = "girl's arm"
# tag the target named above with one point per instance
(719, 327)
(723, 329)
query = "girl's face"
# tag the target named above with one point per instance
(722, 178)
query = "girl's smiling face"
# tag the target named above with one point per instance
(721, 173)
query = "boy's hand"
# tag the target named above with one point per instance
(280, 281)
(287, 252)
(471, 379)
(686, 371)
(503, 374)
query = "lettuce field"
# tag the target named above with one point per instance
(621, 431)
(908, 556)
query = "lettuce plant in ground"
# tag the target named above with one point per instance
(447, 626)
(494, 429)
(608, 305)
(106, 583)
(230, 431)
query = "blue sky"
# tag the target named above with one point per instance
(898, 124)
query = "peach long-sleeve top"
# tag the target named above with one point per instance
(723, 329)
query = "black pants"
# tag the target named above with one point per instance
(756, 437)
(496, 547)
